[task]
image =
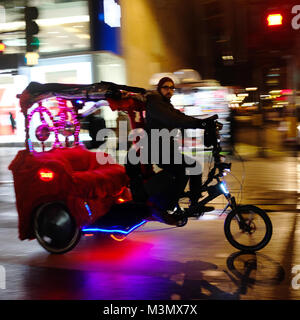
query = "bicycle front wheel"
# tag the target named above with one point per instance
(248, 228)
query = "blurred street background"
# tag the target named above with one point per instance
(239, 59)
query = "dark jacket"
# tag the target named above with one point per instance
(160, 114)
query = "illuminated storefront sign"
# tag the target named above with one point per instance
(112, 13)
(106, 25)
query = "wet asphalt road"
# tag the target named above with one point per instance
(162, 262)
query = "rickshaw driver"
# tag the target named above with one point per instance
(161, 114)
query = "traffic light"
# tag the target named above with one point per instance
(31, 29)
(274, 19)
(278, 31)
(2, 47)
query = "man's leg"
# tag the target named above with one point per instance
(195, 192)
(195, 188)
(171, 182)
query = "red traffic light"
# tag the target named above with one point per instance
(274, 19)
(2, 47)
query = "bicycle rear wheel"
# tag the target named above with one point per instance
(250, 233)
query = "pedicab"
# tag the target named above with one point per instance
(63, 190)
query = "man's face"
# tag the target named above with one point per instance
(167, 89)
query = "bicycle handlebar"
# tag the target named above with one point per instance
(214, 117)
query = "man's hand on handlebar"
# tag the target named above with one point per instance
(219, 125)
(208, 123)
(211, 127)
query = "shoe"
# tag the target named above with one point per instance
(180, 216)
(184, 218)
(175, 217)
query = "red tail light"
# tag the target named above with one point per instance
(274, 19)
(46, 175)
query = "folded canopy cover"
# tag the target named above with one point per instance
(36, 92)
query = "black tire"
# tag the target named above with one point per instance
(235, 234)
(55, 229)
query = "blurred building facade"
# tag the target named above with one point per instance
(157, 36)
(226, 40)
(163, 36)
(69, 51)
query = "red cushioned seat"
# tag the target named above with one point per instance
(78, 180)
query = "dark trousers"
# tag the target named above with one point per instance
(162, 185)
(180, 170)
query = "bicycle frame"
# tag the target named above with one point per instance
(220, 187)
(214, 191)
